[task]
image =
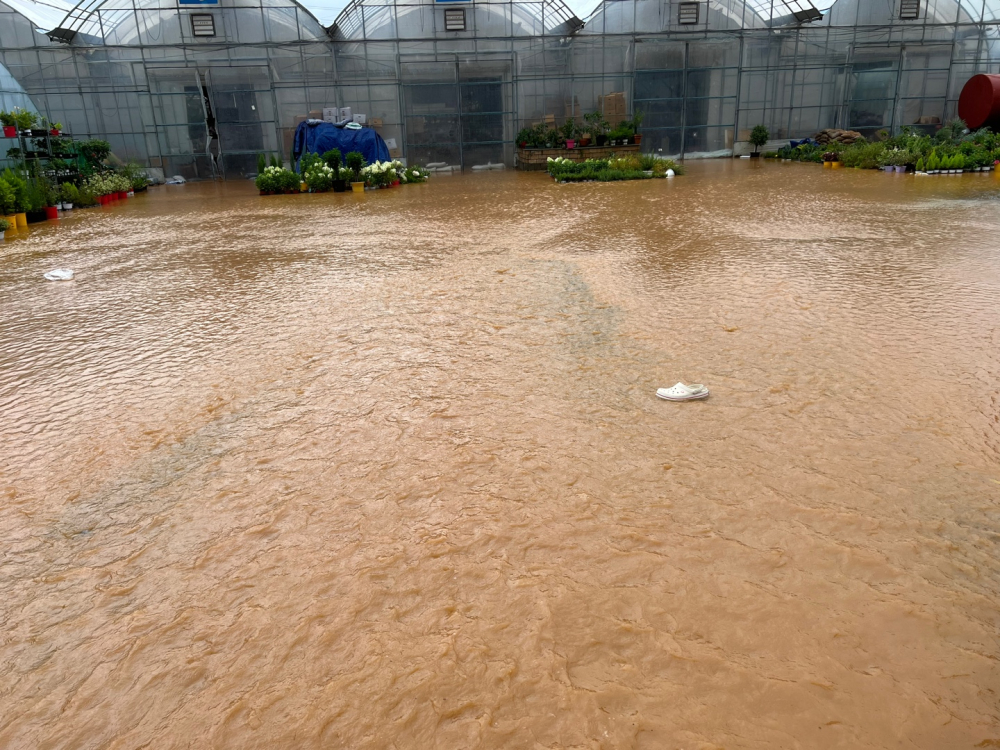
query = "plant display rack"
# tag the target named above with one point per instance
(39, 153)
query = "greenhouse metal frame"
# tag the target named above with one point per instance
(200, 89)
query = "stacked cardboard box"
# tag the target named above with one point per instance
(612, 106)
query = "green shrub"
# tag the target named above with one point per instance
(759, 136)
(355, 161)
(22, 202)
(69, 193)
(6, 198)
(333, 159)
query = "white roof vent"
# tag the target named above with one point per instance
(687, 13)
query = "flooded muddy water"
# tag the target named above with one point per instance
(387, 470)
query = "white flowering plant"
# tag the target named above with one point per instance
(319, 177)
(379, 174)
(276, 180)
(414, 174)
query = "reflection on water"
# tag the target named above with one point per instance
(386, 470)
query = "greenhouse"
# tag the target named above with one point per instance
(199, 88)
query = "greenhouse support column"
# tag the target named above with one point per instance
(739, 91)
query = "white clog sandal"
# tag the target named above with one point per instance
(681, 392)
(59, 274)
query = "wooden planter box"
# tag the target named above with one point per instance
(535, 159)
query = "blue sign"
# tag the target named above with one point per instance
(198, 2)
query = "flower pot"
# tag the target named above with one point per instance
(38, 132)
(637, 139)
(34, 217)
(395, 183)
(585, 140)
(835, 165)
(303, 187)
(523, 144)
(900, 170)
(340, 186)
(53, 132)
(12, 220)
(828, 165)
(51, 212)
(67, 206)
(570, 143)
(602, 140)
(9, 131)
(22, 220)
(358, 187)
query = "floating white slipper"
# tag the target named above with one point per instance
(681, 392)
(59, 274)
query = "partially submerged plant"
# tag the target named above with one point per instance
(355, 161)
(759, 136)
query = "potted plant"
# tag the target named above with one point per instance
(568, 131)
(7, 202)
(5, 225)
(22, 200)
(56, 129)
(266, 180)
(9, 121)
(597, 127)
(319, 177)
(636, 122)
(758, 137)
(69, 195)
(333, 159)
(355, 161)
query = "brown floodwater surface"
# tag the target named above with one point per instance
(387, 470)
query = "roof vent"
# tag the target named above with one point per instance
(687, 13)
(909, 9)
(807, 15)
(454, 19)
(203, 24)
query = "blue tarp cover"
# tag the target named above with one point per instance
(319, 137)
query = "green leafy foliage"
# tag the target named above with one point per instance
(333, 159)
(19, 186)
(759, 136)
(94, 151)
(613, 169)
(6, 199)
(355, 161)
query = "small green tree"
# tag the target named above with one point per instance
(759, 136)
(333, 158)
(355, 161)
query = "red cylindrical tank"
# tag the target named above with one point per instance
(979, 104)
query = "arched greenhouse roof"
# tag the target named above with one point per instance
(42, 15)
(418, 19)
(150, 22)
(643, 16)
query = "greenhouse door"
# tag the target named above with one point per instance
(178, 105)
(241, 117)
(874, 82)
(687, 92)
(459, 113)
